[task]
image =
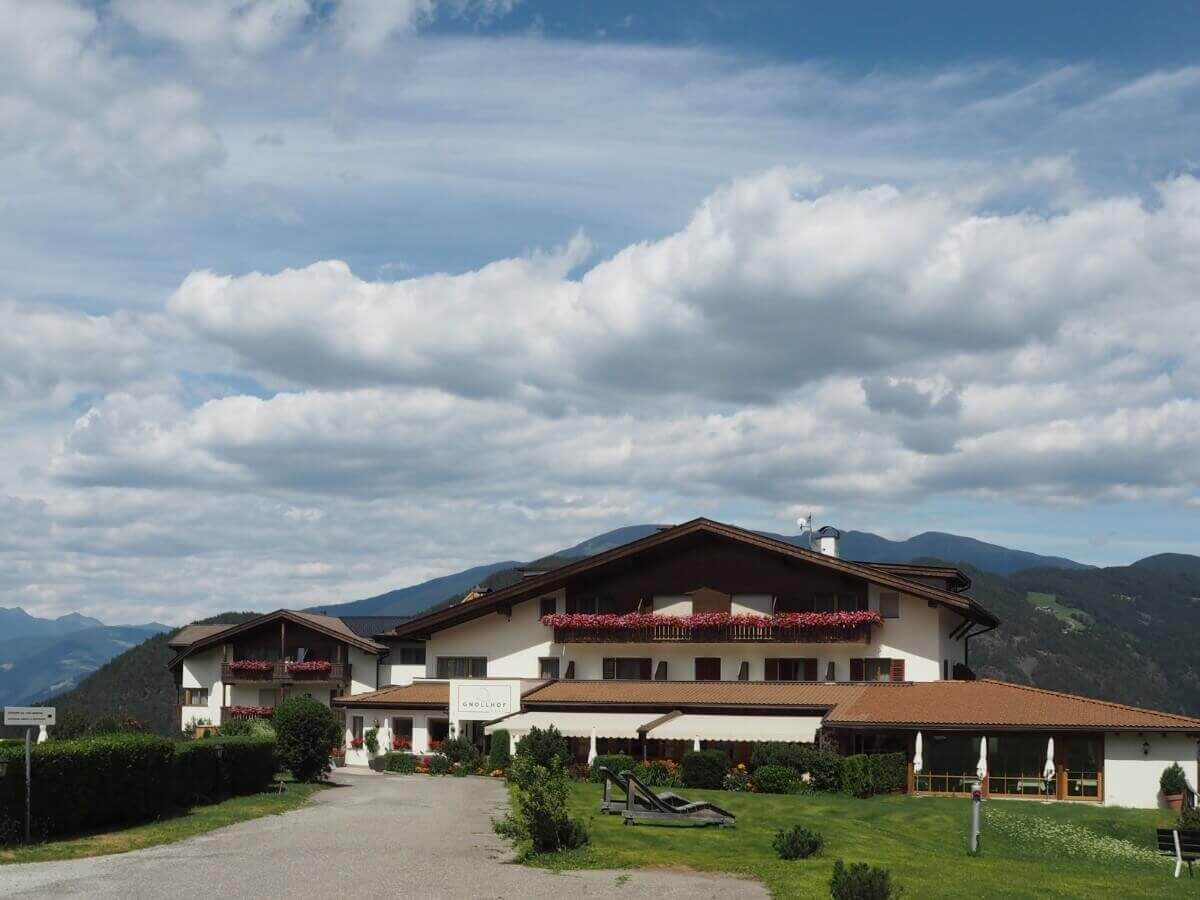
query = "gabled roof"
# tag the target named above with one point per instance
(418, 695)
(939, 705)
(956, 576)
(371, 626)
(189, 634)
(539, 584)
(329, 625)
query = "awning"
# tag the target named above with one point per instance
(797, 729)
(574, 724)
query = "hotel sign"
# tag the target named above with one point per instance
(473, 699)
(29, 716)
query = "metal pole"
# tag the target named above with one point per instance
(28, 781)
(976, 801)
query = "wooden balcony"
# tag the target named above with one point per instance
(669, 632)
(283, 673)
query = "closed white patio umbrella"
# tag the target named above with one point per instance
(592, 747)
(918, 757)
(1048, 768)
(981, 768)
(696, 744)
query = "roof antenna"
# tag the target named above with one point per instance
(806, 527)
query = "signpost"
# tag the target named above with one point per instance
(29, 717)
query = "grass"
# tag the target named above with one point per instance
(1068, 615)
(1028, 848)
(197, 820)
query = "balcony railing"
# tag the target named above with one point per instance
(284, 672)
(670, 632)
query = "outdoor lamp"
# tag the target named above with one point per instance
(1145, 748)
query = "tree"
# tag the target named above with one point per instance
(305, 732)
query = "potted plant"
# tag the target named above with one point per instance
(338, 755)
(1174, 784)
(371, 740)
(356, 743)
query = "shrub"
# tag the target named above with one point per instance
(866, 775)
(777, 753)
(797, 842)
(825, 770)
(1173, 780)
(777, 780)
(237, 728)
(305, 730)
(856, 776)
(543, 746)
(1189, 819)
(460, 750)
(738, 780)
(210, 770)
(658, 773)
(371, 739)
(540, 818)
(440, 765)
(88, 783)
(404, 763)
(618, 762)
(500, 754)
(860, 882)
(704, 768)
(890, 772)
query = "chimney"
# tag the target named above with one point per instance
(827, 540)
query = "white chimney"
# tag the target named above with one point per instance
(827, 540)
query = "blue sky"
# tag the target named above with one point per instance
(301, 302)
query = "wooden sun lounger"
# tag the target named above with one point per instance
(1183, 845)
(643, 805)
(609, 804)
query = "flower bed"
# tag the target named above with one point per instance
(251, 665)
(314, 666)
(251, 712)
(635, 621)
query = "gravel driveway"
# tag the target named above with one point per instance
(375, 835)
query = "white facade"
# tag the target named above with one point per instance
(1134, 762)
(382, 718)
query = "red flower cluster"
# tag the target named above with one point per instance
(435, 745)
(251, 712)
(356, 743)
(635, 621)
(251, 665)
(401, 743)
(315, 665)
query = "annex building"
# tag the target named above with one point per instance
(701, 635)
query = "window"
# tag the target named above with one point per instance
(268, 697)
(877, 669)
(889, 605)
(402, 727)
(356, 727)
(547, 606)
(795, 669)
(708, 668)
(412, 656)
(548, 667)
(850, 602)
(824, 603)
(627, 667)
(462, 667)
(194, 697)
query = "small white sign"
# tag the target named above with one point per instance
(474, 700)
(29, 715)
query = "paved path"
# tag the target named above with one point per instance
(376, 836)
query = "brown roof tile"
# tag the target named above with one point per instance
(419, 693)
(698, 693)
(189, 634)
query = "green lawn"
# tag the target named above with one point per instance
(196, 821)
(1029, 848)
(1068, 615)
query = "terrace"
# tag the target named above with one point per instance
(283, 671)
(852, 627)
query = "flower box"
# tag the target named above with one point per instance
(251, 665)
(401, 743)
(251, 712)
(356, 743)
(315, 666)
(636, 621)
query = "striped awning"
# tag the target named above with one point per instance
(573, 724)
(796, 729)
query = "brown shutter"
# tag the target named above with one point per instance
(856, 670)
(645, 670)
(897, 670)
(810, 670)
(772, 673)
(610, 667)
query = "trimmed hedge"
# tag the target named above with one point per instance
(399, 761)
(88, 784)
(618, 762)
(777, 780)
(704, 768)
(823, 766)
(210, 770)
(500, 753)
(866, 775)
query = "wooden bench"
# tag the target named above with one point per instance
(1183, 845)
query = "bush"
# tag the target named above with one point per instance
(738, 780)
(890, 772)
(777, 780)
(371, 740)
(544, 746)
(867, 775)
(89, 783)
(211, 770)
(1173, 780)
(618, 762)
(500, 754)
(659, 773)
(237, 728)
(440, 765)
(704, 768)
(797, 842)
(305, 730)
(1189, 819)
(398, 761)
(461, 750)
(860, 882)
(540, 818)
(825, 770)
(856, 776)
(777, 753)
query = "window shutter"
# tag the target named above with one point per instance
(772, 673)
(610, 667)
(744, 671)
(645, 670)
(571, 669)
(897, 670)
(856, 670)
(660, 674)
(810, 670)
